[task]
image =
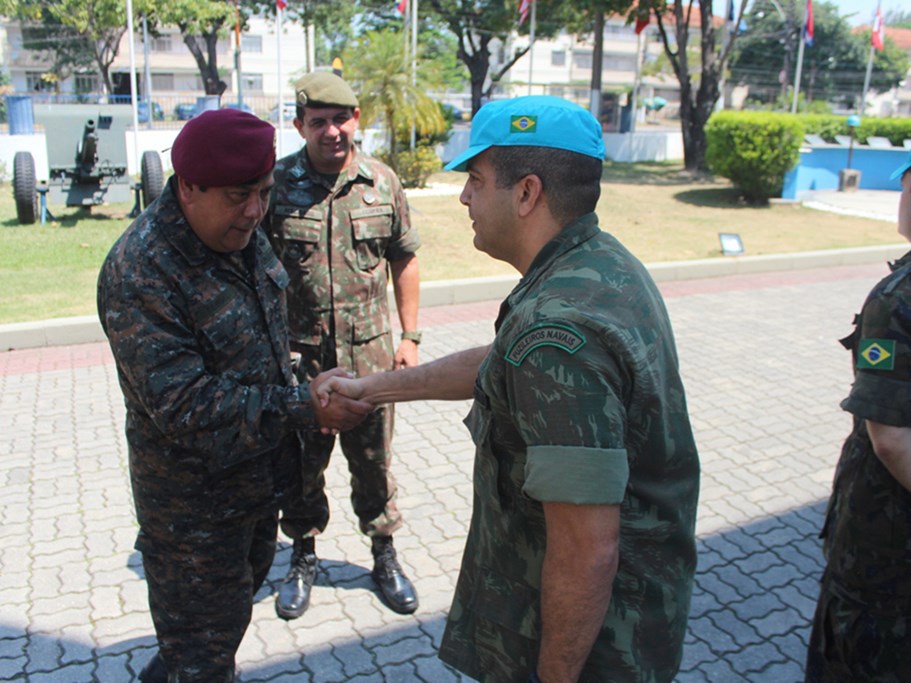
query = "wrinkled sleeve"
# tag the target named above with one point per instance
(405, 240)
(570, 412)
(165, 376)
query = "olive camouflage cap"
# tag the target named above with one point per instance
(324, 88)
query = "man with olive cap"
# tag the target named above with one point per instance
(581, 551)
(339, 223)
(191, 298)
(862, 625)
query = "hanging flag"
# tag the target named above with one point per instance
(641, 23)
(808, 25)
(524, 9)
(281, 4)
(401, 6)
(879, 30)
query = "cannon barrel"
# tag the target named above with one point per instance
(88, 150)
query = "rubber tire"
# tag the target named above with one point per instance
(25, 188)
(152, 178)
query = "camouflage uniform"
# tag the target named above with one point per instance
(862, 627)
(334, 236)
(579, 401)
(201, 345)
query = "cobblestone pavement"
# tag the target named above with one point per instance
(764, 375)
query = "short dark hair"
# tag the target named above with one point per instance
(571, 181)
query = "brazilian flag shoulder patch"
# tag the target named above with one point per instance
(523, 124)
(547, 334)
(876, 354)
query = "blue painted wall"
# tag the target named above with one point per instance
(819, 166)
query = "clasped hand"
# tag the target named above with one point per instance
(335, 411)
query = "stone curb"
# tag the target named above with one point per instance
(87, 329)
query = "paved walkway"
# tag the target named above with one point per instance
(764, 375)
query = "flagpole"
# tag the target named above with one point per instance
(279, 16)
(414, 62)
(875, 28)
(133, 87)
(797, 74)
(531, 44)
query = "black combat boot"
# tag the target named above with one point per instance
(388, 575)
(293, 597)
(154, 671)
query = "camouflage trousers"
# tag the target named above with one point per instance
(367, 448)
(201, 588)
(859, 638)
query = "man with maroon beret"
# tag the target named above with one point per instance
(191, 298)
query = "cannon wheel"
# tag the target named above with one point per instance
(152, 177)
(25, 188)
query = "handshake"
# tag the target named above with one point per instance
(339, 401)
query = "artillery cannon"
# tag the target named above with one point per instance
(87, 160)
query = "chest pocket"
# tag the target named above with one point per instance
(300, 240)
(371, 230)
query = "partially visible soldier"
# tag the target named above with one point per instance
(339, 221)
(581, 551)
(862, 627)
(191, 298)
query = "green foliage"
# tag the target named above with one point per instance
(377, 69)
(753, 150)
(834, 67)
(415, 166)
(827, 127)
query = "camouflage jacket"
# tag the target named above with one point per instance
(201, 346)
(868, 524)
(335, 236)
(580, 401)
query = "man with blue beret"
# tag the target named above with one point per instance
(191, 299)
(862, 624)
(581, 551)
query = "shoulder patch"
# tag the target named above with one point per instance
(876, 354)
(546, 334)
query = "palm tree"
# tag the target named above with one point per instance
(376, 65)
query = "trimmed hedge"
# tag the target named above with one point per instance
(753, 150)
(827, 127)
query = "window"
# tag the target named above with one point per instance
(85, 83)
(253, 83)
(558, 58)
(162, 82)
(161, 43)
(250, 43)
(33, 81)
(582, 60)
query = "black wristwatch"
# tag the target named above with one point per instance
(414, 335)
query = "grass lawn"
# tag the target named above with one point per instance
(660, 212)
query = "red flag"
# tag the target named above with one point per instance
(641, 23)
(524, 9)
(401, 6)
(281, 4)
(879, 30)
(808, 25)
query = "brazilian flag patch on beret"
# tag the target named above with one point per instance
(524, 124)
(876, 354)
(548, 334)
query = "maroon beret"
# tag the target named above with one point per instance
(223, 147)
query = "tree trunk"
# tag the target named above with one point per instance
(477, 59)
(207, 62)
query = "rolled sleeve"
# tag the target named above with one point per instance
(575, 474)
(880, 399)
